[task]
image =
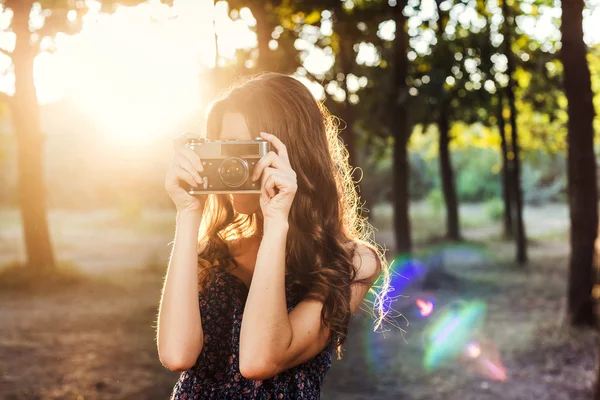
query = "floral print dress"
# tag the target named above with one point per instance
(216, 374)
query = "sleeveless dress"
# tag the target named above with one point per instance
(216, 374)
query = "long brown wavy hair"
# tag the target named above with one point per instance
(325, 224)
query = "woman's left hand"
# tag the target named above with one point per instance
(278, 186)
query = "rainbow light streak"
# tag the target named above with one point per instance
(448, 335)
(497, 372)
(446, 330)
(405, 272)
(486, 361)
(371, 350)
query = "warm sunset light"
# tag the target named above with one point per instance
(292, 199)
(137, 72)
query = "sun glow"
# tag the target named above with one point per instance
(137, 73)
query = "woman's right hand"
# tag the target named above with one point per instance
(185, 166)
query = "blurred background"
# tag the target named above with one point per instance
(472, 123)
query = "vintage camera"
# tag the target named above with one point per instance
(228, 164)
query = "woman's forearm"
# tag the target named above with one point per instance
(180, 335)
(266, 329)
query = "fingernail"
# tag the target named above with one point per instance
(264, 133)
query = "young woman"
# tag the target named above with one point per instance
(254, 307)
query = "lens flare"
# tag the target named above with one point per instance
(448, 335)
(425, 307)
(473, 350)
(483, 359)
(406, 272)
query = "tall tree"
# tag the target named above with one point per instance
(262, 11)
(30, 141)
(444, 110)
(488, 51)
(402, 129)
(25, 114)
(581, 164)
(350, 27)
(506, 173)
(515, 181)
(344, 27)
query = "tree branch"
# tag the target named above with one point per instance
(5, 98)
(5, 52)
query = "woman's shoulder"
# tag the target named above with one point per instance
(366, 260)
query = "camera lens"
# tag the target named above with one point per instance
(234, 171)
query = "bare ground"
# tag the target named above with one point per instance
(92, 337)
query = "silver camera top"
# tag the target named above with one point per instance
(229, 148)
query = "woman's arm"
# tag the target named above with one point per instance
(179, 333)
(271, 340)
(266, 329)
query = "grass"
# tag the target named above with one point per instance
(546, 221)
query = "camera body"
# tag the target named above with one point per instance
(228, 164)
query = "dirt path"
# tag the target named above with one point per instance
(94, 340)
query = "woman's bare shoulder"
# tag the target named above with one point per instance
(366, 261)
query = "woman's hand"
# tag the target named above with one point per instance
(278, 186)
(185, 166)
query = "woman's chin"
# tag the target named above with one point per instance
(246, 203)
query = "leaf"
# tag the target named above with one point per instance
(313, 18)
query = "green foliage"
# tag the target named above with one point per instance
(478, 177)
(494, 209)
(423, 175)
(435, 202)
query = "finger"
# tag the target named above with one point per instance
(183, 139)
(184, 175)
(270, 185)
(264, 193)
(279, 146)
(270, 159)
(181, 161)
(267, 172)
(193, 158)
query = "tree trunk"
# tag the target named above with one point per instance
(597, 388)
(215, 34)
(446, 171)
(401, 129)
(447, 174)
(263, 37)
(581, 165)
(30, 146)
(506, 172)
(517, 191)
(346, 61)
